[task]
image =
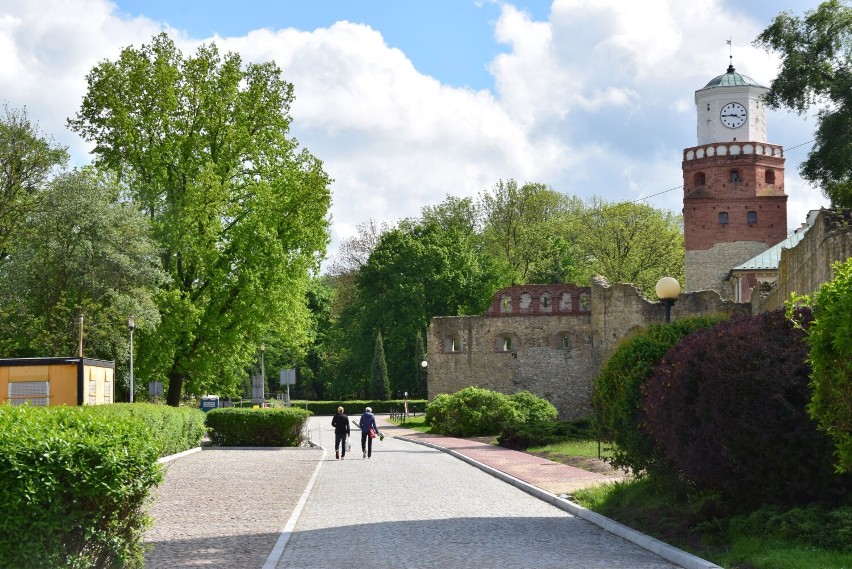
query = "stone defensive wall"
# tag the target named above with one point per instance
(806, 266)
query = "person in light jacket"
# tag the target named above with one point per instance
(367, 422)
(340, 422)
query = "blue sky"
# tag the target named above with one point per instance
(408, 101)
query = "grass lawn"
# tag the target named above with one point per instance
(417, 423)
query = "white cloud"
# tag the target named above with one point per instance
(597, 100)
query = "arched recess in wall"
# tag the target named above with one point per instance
(507, 342)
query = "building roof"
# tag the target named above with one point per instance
(731, 79)
(769, 259)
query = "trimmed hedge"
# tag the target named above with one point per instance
(175, 429)
(728, 407)
(617, 396)
(73, 486)
(356, 407)
(257, 427)
(520, 436)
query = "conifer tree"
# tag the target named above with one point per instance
(379, 386)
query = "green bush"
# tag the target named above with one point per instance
(174, 429)
(532, 408)
(535, 433)
(356, 407)
(830, 356)
(617, 395)
(257, 427)
(73, 486)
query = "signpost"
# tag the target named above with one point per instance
(287, 377)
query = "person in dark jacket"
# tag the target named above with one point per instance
(368, 422)
(340, 422)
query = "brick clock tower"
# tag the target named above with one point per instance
(734, 205)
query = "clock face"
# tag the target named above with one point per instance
(733, 115)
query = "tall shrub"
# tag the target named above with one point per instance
(830, 356)
(471, 412)
(73, 487)
(618, 391)
(728, 407)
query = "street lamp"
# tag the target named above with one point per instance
(262, 371)
(131, 323)
(668, 289)
(423, 364)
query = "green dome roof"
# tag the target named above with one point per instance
(732, 79)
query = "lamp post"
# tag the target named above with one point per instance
(668, 290)
(262, 371)
(131, 323)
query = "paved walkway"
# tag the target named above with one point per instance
(411, 505)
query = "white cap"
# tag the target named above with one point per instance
(369, 410)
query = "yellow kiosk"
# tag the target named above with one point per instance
(57, 381)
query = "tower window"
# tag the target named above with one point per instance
(699, 179)
(769, 176)
(723, 218)
(751, 217)
(735, 176)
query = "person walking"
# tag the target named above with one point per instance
(369, 431)
(340, 422)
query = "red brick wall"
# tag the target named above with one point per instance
(702, 203)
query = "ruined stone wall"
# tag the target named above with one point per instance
(619, 310)
(544, 348)
(806, 266)
(517, 345)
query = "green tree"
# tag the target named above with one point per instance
(379, 385)
(240, 213)
(519, 223)
(26, 162)
(631, 243)
(816, 69)
(88, 251)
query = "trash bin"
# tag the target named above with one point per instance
(209, 402)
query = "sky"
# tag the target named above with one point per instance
(409, 101)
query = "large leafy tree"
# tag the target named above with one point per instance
(519, 222)
(86, 252)
(630, 243)
(816, 69)
(239, 211)
(26, 161)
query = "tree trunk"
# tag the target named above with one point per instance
(175, 387)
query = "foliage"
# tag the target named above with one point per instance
(85, 251)
(830, 356)
(26, 162)
(738, 424)
(415, 272)
(617, 396)
(816, 69)
(532, 408)
(769, 537)
(356, 407)
(239, 212)
(73, 487)
(173, 429)
(630, 243)
(518, 223)
(475, 412)
(379, 386)
(533, 433)
(257, 427)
